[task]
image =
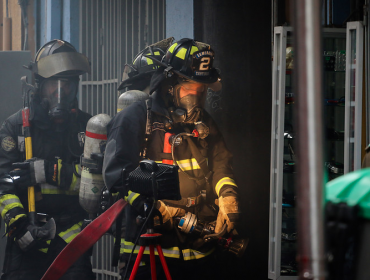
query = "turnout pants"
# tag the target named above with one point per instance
(32, 265)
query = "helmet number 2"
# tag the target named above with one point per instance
(204, 65)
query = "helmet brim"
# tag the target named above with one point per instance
(130, 81)
(64, 63)
(214, 77)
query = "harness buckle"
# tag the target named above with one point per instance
(191, 201)
(168, 72)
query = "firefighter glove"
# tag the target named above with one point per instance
(168, 212)
(137, 201)
(228, 213)
(28, 236)
(34, 171)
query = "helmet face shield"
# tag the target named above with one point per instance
(128, 72)
(142, 66)
(63, 64)
(58, 96)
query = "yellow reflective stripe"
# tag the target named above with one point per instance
(50, 189)
(71, 192)
(119, 110)
(181, 53)
(75, 185)
(194, 49)
(149, 61)
(59, 169)
(173, 252)
(45, 250)
(190, 254)
(7, 202)
(172, 48)
(16, 218)
(188, 164)
(224, 181)
(71, 233)
(122, 245)
(131, 197)
(157, 53)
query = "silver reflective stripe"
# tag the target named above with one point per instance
(132, 196)
(49, 189)
(7, 202)
(39, 166)
(21, 144)
(25, 240)
(71, 233)
(76, 181)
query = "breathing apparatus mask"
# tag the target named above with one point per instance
(188, 98)
(56, 69)
(58, 96)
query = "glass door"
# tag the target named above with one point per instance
(353, 108)
(342, 95)
(282, 237)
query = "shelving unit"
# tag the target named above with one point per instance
(342, 59)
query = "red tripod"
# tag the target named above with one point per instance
(152, 240)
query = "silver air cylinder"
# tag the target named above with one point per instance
(91, 178)
(129, 97)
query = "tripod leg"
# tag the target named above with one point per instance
(152, 263)
(163, 261)
(137, 263)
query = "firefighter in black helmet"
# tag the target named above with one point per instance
(55, 122)
(179, 87)
(137, 76)
(136, 80)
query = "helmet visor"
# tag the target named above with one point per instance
(189, 87)
(128, 72)
(64, 63)
(189, 94)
